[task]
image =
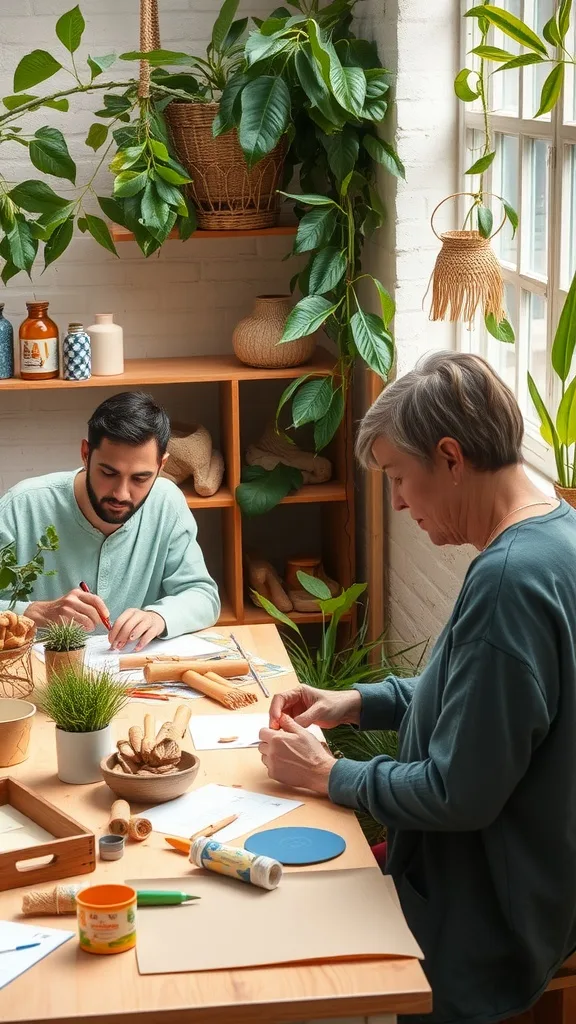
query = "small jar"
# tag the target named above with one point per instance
(76, 362)
(38, 344)
(107, 343)
(6, 346)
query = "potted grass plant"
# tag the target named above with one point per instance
(82, 704)
(64, 645)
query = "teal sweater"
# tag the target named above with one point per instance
(481, 803)
(154, 561)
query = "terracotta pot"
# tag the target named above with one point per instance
(567, 493)
(256, 338)
(58, 660)
(15, 725)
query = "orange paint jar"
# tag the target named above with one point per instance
(106, 918)
(38, 344)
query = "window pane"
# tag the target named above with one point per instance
(536, 75)
(474, 150)
(500, 355)
(537, 345)
(506, 86)
(570, 81)
(536, 223)
(505, 184)
(569, 222)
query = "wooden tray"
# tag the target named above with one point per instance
(72, 852)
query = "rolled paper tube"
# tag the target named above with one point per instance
(130, 661)
(119, 818)
(240, 696)
(172, 671)
(213, 690)
(139, 829)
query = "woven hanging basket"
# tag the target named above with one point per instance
(467, 275)
(228, 195)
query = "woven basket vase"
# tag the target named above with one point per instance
(467, 275)
(256, 338)
(228, 195)
(567, 493)
(16, 678)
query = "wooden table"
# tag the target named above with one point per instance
(108, 990)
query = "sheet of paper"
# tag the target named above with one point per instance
(17, 832)
(205, 806)
(14, 934)
(207, 731)
(321, 916)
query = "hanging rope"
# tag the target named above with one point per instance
(149, 40)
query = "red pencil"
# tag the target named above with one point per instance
(106, 622)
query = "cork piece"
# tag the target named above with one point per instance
(119, 818)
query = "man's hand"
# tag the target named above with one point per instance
(85, 609)
(309, 706)
(294, 757)
(135, 624)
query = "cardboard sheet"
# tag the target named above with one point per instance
(207, 731)
(17, 832)
(313, 916)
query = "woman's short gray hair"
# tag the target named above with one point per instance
(448, 394)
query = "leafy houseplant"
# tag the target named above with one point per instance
(17, 581)
(330, 669)
(64, 645)
(82, 704)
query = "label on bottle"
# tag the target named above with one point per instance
(39, 355)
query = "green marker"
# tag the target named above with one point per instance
(162, 898)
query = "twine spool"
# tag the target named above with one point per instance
(467, 274)
(566, 493)
(59, 900)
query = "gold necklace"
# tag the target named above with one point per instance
(520, 508)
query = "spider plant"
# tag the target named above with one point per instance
(81, 700)
(62, 636)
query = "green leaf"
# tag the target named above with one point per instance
(520, 62)
(551, 90)
(70, 28)
(348, 86)
(274, 611)
(566, 416)
(462, 87)
(307, 316)
(230, 109)
(58, 242)
(236, 30)
(342, 152)
(343, 602)
(13, 102)
(265, 113)
(99, 64)
(315, 229)
(384, 154)
(187, 225)
(565, 337)
(321, 50)
(82, 225)
(309, 76)
(325, 428)
(97, 135)
(373, 342)
(23, 245)
(169, 193)
(327, 270)
(160, 151)
(564, 17)
(171, 176)
(511, 215)
(313, 585)
(100, 232)
(35, 67)
(485, 221)
(126, 158)
(223, 23)
(36, 197)
(312, 401)
(510, 25)
(112, 208)
(114, 106)
(502, 330)
(288, 392)
(49, 154)
(154, 210)
(375, 105)
(551, 32)
(266, 488)
(9, 270)
(309, 199)
(481, 165)
(7, 213)
(547, 428)
(130, 183)
(492, 53)
(387, 303)
(48, 222)
(259, 47)
(157, 58)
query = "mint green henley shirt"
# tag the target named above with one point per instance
(481, 803)
(153, 561)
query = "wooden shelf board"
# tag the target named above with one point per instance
(314, 493)
(227, 617)
(222, 499)
(120, 234)
(255, 616)
(180, 370)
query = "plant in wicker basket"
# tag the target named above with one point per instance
(64, 645)
(17, 631)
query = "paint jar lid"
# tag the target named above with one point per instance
(111, 847)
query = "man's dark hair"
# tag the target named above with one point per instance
(132, 417)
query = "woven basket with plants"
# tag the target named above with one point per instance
(64, 645)
(17, 631)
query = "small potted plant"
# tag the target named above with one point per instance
(82, 704)
(64, 645)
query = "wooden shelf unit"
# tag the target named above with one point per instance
(335, 500)
(120, 234)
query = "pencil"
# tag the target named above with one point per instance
(253, 671)
(105, 622)
(183, 845)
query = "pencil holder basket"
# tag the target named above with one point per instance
(16, 678)
(467, 274)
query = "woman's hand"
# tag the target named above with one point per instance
(293, 756)
(309, 706)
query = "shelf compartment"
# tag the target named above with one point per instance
(316, 493)
(222, 499)
(256, 616)
(120, 234)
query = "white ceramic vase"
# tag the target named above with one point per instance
(106, 346)
(79, 754)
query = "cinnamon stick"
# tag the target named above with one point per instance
(210, 689)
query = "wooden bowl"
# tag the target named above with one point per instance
(149, 789)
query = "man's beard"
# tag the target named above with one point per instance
(116, 513)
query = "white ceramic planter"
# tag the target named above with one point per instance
(79, 754)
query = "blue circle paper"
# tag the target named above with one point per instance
(297, 845)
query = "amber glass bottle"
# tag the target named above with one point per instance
(38, 344)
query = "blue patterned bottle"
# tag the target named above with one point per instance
(76, 354)
(6, 346)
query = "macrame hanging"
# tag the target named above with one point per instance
(467, 274)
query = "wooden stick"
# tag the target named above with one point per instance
(172, 672)
(119, 818)
(203, 685)
(210, 830)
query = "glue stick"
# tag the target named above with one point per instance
(235, 862)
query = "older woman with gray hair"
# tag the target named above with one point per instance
(480, 804)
